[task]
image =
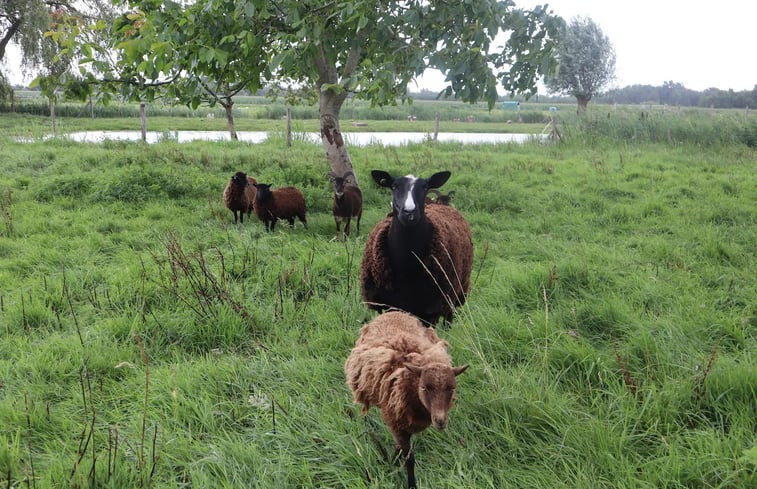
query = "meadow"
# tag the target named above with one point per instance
(148, 341)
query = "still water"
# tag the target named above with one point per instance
(354, 138)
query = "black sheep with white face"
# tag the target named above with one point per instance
(409, 194)
(418, 259)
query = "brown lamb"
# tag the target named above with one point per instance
(348, 202)
(239, 195)
(437, 287)
(283, 203)
(403, 368)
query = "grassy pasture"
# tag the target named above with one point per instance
(146, 340)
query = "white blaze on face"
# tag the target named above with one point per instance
(409, 205)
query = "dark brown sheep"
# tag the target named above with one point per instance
(239, 195)
(404, 369)
(441, 199)
(282, 203)
(348, 202)
(419, 258)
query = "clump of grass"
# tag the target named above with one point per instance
(6, 214)
(138, 185)
(188, 277)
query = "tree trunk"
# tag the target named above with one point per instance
(583, 101)
(331, 136)
(228, 105)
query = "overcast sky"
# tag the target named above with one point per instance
(696, 43)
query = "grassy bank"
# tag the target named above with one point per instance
(146, 340)
(39, 127)
(601, 124)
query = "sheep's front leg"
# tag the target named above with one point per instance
(403, 446)
(338, 221)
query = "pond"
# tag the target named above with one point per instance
(352, 138)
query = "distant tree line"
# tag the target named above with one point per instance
(672, 93)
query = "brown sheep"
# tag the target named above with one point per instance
(403, 368)
(282, 203)
(239, 195)
(419, 258)
(441, 199)
(348, 202)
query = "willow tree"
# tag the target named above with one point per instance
(366, 49)
(586, 62)
(23, 23)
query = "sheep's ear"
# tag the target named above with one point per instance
(382, 178)
(438, 179)
(414, 368)
(460, 369)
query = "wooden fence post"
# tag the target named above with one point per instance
(52, 115)
(555, 134)
(289, 127)
(436, 125)
(143, 121)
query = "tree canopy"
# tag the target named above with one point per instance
(586, 61)
(369, 49)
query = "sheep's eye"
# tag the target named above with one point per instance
(423, 387)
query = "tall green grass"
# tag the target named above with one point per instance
(672, 126)
(148, 341)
